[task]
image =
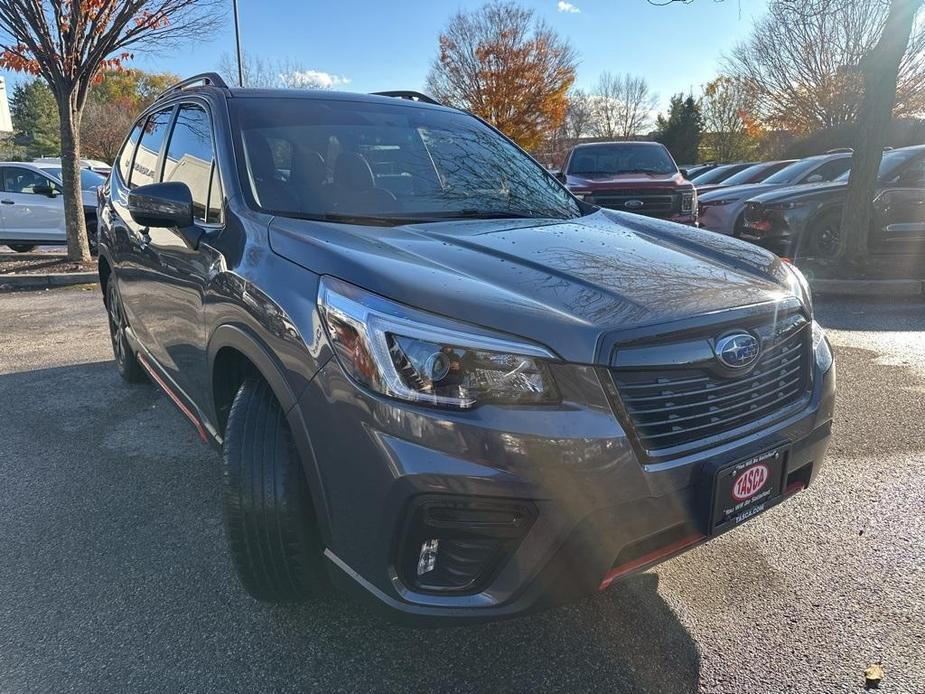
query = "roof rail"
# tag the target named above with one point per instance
(203, 79)
(411, 96)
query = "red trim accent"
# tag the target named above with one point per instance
(650, 558)
(675, 548)
(173, 396)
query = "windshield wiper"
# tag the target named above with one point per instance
(365, 220)
(480, 214)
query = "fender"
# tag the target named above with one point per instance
(270, 368)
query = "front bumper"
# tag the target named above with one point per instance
(600, 512)
(719, 218)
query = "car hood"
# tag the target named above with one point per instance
(746, 190)
(564, 284)
(805, 190)
(627, 180)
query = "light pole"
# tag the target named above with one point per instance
(237, 40)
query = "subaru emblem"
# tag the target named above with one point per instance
(737, 350)
(633, 204)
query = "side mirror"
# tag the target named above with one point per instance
(48, 190)
(683, 173)
(561, 177)
(168, 205)
(815, 178)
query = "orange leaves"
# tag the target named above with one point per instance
(14, 59)
(114, 64)
(147, 20)
(506, 67)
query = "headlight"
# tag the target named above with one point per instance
(717, 203)
(821, 348)
(801, 287)
(410, 355)
(786, 205)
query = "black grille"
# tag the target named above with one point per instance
(671, 407)
(655, 201)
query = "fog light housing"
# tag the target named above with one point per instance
(457, 545)
(428, 557)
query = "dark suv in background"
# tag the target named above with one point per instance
(805, 220)
(436, 378)
(638, 177)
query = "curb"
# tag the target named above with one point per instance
(869, 287)
(61, 279)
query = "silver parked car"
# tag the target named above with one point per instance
(31, 206)
(723, 209)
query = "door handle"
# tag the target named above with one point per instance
(7, 202)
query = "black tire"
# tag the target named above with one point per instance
(126, 359)
(269, 520)
(92, 234)
(21, 247)
(824, 235)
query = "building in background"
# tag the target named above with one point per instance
(6, 122)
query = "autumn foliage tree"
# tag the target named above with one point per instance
(732, 130)
(804, 60)
(507, 67)
(68, 43)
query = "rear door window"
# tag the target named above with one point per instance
(128, 152)
(144, 169)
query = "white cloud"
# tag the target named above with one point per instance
(568, 7)
(312, 79)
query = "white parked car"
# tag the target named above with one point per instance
(31, 207)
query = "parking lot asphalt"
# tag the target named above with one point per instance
(114, 574)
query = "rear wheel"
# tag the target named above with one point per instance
(126, 361)
(825, 235)
(269, 519)
(21, 247)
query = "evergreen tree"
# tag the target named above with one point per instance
(680, 132)
(35, 118)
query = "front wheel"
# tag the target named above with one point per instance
(825, 235)
(21, 247)
(268, 512)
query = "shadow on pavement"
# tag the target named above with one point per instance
(901, 313)
(626, 640)
(115, 578)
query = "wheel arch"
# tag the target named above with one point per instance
(803, 239)
(104, 269)
(234, 354)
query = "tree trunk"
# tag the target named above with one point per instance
(880, 70)
(78, 249)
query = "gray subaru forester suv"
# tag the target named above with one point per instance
(436, 378)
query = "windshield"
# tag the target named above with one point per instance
(363, 162)
(89, 180)
(621, 158)
(717, 175)
(794, 172)
(889, 163)
(753, 174)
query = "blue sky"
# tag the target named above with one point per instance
(389, 45)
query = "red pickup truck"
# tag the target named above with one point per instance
(640, 177)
